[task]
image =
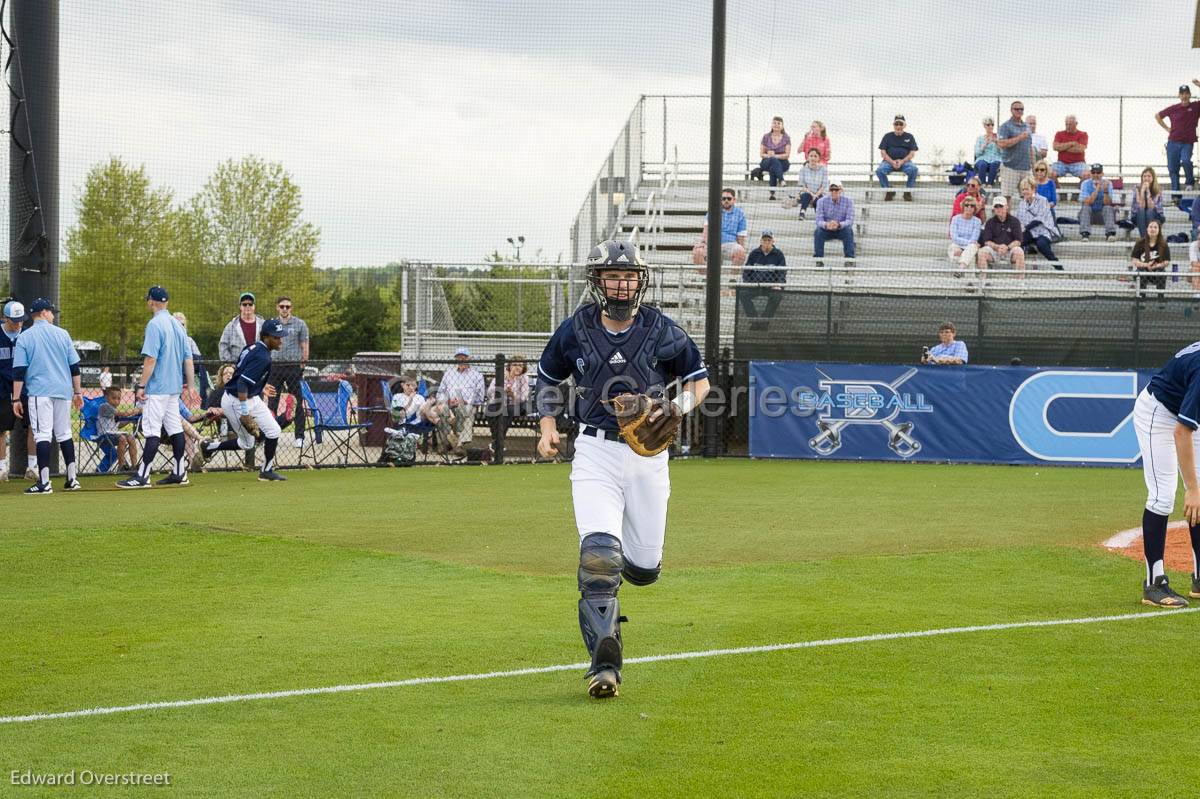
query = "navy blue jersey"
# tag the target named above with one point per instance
(250, 374)
(1177, 385)
(653, 352)
(8, 343)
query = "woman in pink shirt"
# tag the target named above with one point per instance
(816, 140)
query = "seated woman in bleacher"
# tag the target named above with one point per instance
(774, 151)
(1149, 259)
(987, 153)
(973, 193)
(1045, 186)
(1147, 202)
(814, 181)
(1037, 222)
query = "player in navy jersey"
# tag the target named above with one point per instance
(243, 398)
(610, 346)
(1166, 416)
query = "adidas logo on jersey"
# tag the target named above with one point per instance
(617, 359)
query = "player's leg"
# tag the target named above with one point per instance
(599, 504)
(295, 375)
(647, 488)
(173, 424)
(66, 445)
(7, 421)
(233, 420)
(1195, 534)
(270, 430)
(40, 411)
(153, 412)
(1155, 428)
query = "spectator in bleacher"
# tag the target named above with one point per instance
(1149, 258)
(733, 233)
(987, 153)
(1040, 146)
(1071, 146)
(814, 181)
(1045, 186)
(1037, 222)
(1194, 259)
(514, 401)
(242, 330)
(947, 352)
(835, 220)
(1181, 135)
(774, 148)
(765, 254)
(461, 391)
(1016, 150)
(897, 148)
(973, 193)
(1001, 239)
(965, 228)
(1147, 201)
(815, 140)
(1096, 197)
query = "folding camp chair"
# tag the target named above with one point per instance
(332, 412)
(100, 453)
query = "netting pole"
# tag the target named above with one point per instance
(33, 162)
(716, 161)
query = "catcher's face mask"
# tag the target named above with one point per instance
(619, 291)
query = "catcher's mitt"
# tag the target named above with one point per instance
(249, 424)
(644, 435)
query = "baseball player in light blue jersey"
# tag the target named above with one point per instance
(165, 350)
(46, 364)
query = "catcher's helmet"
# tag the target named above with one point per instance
(612, 255)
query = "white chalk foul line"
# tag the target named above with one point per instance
(494, 675)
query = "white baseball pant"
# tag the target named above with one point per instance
(617, 491)
(1155, 426)
(49, 418)
(255, 407)
(161, 411)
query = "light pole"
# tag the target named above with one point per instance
(517, 245)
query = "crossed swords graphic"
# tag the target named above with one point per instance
(829, 436)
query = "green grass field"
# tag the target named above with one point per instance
(232, 586)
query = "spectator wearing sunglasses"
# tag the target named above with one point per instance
(287, 364)
(1016, 149)
(897, 149)
(733, 233)
(1044, 185)
(242, 330)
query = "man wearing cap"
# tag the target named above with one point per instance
(897, 149)
(1016, 150)
(167, 363)
(242, 331)
(461, 391)
(10, 328)
(1181, 135)
(45, 362)
(1096, 197)
(766, 254)
(242, 401)
(1000, 240)
(835, 220)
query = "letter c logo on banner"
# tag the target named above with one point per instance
(1030, 424)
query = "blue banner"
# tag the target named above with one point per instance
(967, 414)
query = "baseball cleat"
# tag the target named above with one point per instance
(133, 482)
(1161, 595)
(71, 485)
(272, 476)
(604, 684)
(1195, 592)
(40, 488)
(174, 480)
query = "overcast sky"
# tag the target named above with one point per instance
(437, 129)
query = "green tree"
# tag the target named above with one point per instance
(123, 243)
(244, 231)
(361, 323)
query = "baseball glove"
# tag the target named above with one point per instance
(249, 424)
(644, 435)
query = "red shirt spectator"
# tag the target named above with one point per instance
(1071, 136)
(815, 140)
(972, 192)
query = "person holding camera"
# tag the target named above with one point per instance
(949, 352)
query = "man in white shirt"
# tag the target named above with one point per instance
(461, 391)
(1041, 145)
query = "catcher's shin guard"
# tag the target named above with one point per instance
(600, 564)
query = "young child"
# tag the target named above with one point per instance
(108, 432)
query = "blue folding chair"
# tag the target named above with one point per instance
(102, 450)
(332, 412)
